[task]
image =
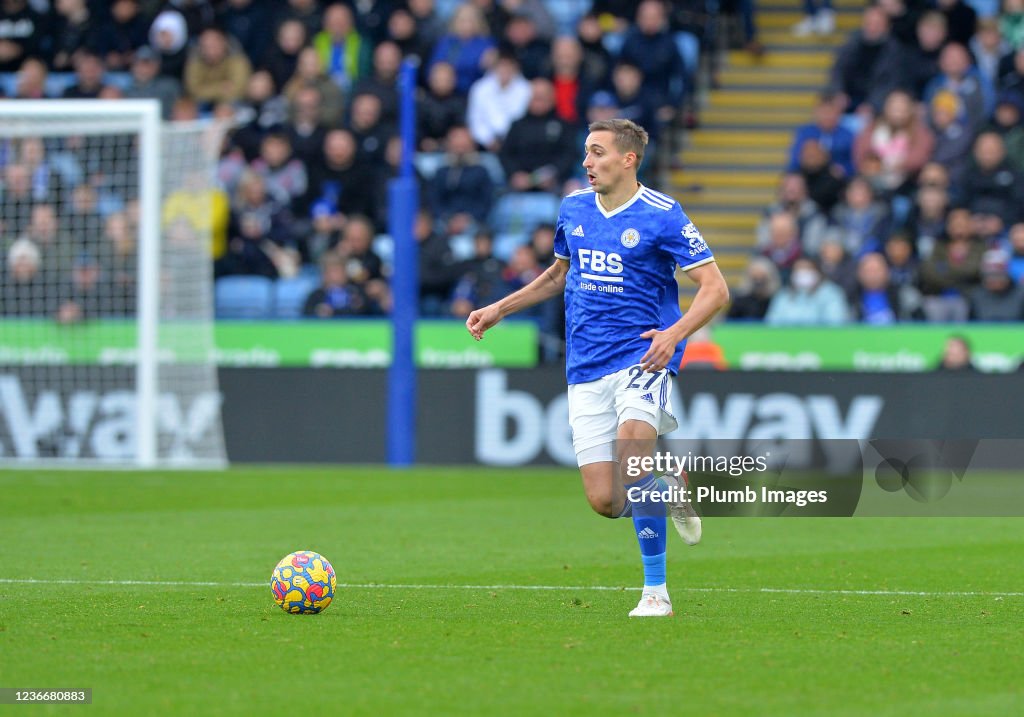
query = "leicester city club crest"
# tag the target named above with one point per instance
(630, 238)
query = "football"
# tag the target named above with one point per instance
(303, 583)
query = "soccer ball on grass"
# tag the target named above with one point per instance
(303, 583)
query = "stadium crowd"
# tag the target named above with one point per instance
(902, 200)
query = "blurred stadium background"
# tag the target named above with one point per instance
(214, 251)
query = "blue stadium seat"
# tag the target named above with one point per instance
(522, 212)
(290, 295)
(244, 297)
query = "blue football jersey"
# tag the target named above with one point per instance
(621, 279)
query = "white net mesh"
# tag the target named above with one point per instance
(71, 234)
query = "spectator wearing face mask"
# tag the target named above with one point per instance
(755, 294)
(808, 299)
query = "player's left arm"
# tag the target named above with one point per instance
(712, 295)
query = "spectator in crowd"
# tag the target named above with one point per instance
(439, 107)
(168, 35)
(998, 298)
(148, 83)
(461, 192)
(572, 89)
(910, 67)
(904, 265)
(807, 298)
(958, 76)
(1006, 121)
(877, 300)
(952, 270)
(217, 70)
(827, 131)
(31, 80)
(406, 33)
(522, 38)
(47, 183)
(86, 294)
(260, 111)
(539, 153)
(336, 297)
(860, 222)
(22, 32)
(522, 268)
(781, 244)
(306, 131)
(957, 357)
(429, 24)
(467, 46)
(356, 247)
(344, 52)
(282, 57)
(953, 135)
(382, 81)
(248, 22)
(283, 172)
(838, 266)
(88, 77)
(760, 284)
(197, 209)
(650, 47)
(438, 269)
(481, 279)
(597, 60)
(811, 224)
(927, 220)
(370, 131)
(1011, 71)
(82, 215)
(497, 100)
(857, 61)
(309, 73)
(987, 48)
(25, 290)
(338, 180)
(121, 35)
(1015, 264)
(119, 252)
(991, 186)
(16, 199)
(634, 103)
(75, 29)
(899, 139)
(305, 11)
(260, 240)
(1011, 23)
(825, 179)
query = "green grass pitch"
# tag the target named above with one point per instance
(874, 617)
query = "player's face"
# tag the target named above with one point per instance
(606, 166)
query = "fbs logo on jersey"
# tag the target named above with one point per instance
(578, 231)
(630, 238)
(697, 243)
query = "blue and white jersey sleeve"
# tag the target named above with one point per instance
(683, 241)
(561, 245)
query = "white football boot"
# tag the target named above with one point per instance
(806, 27)
(684, 517)
(652, 605)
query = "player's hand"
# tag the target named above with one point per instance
(482, 319)
(663, 347)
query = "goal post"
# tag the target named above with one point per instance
(106, 333)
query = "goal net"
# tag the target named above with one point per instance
(106, 333)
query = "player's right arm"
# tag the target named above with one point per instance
(549, 284)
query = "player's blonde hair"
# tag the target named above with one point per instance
(629, 136)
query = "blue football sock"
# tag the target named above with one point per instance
(650, 522)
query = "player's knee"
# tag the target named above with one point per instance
(603, 503)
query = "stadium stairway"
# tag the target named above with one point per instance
(729, 167)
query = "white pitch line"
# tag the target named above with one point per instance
(400, 586)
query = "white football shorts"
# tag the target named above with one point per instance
(597, 409)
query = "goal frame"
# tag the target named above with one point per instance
(142, 117)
